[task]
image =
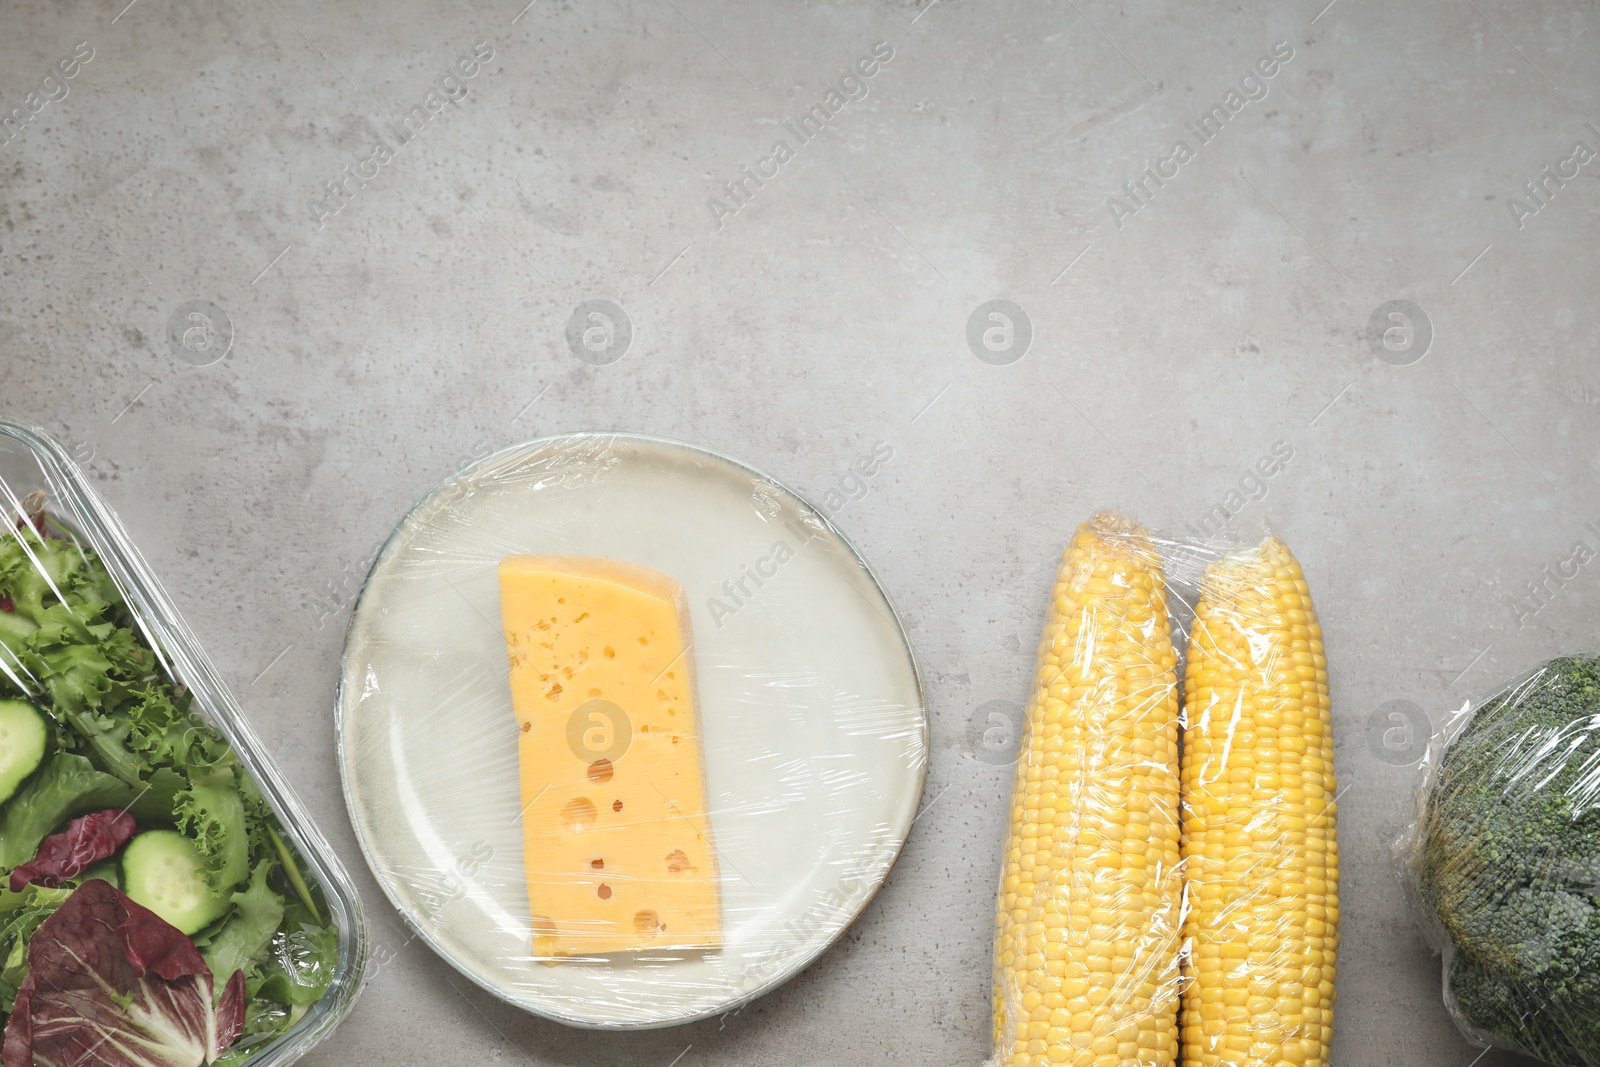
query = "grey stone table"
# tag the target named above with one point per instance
(273, 268)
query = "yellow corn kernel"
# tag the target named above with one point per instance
(1088, 911)
(1260, 855)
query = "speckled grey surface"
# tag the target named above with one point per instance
(1175, 335)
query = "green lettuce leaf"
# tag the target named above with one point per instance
(246, 933)
(264, 1020)
(213, 815)
(157, 798)
(24, 913)
(66, 785)
(303, 957)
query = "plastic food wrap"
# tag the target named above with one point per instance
(1169, 885)
(117, 727)
(629, 732)
(1502, 864)
(1261, 935)
(1087, 933)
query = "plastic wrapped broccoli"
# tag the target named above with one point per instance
(1503, 865)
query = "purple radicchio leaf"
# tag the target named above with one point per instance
(112, 984)
(86, 841)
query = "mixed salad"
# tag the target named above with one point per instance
(151, 911)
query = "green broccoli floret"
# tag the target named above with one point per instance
(1510, 865)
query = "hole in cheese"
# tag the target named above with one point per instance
(677, 861)
(646, 923)
(604, 892)
(616, 805)
(579, 813)
(598, 865)
(600, 770)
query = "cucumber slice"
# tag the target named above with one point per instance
(23, 739)
(163, 870)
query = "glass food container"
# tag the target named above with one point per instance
(31, 462)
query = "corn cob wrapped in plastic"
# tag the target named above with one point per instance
(1086, 947)
(1262, 863)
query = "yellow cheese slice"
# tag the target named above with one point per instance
(616, 839)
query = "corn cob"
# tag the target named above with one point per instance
(1086, 969)
(1260, 856)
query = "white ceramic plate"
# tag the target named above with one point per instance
(812, 723)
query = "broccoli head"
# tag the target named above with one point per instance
(1509, 865)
